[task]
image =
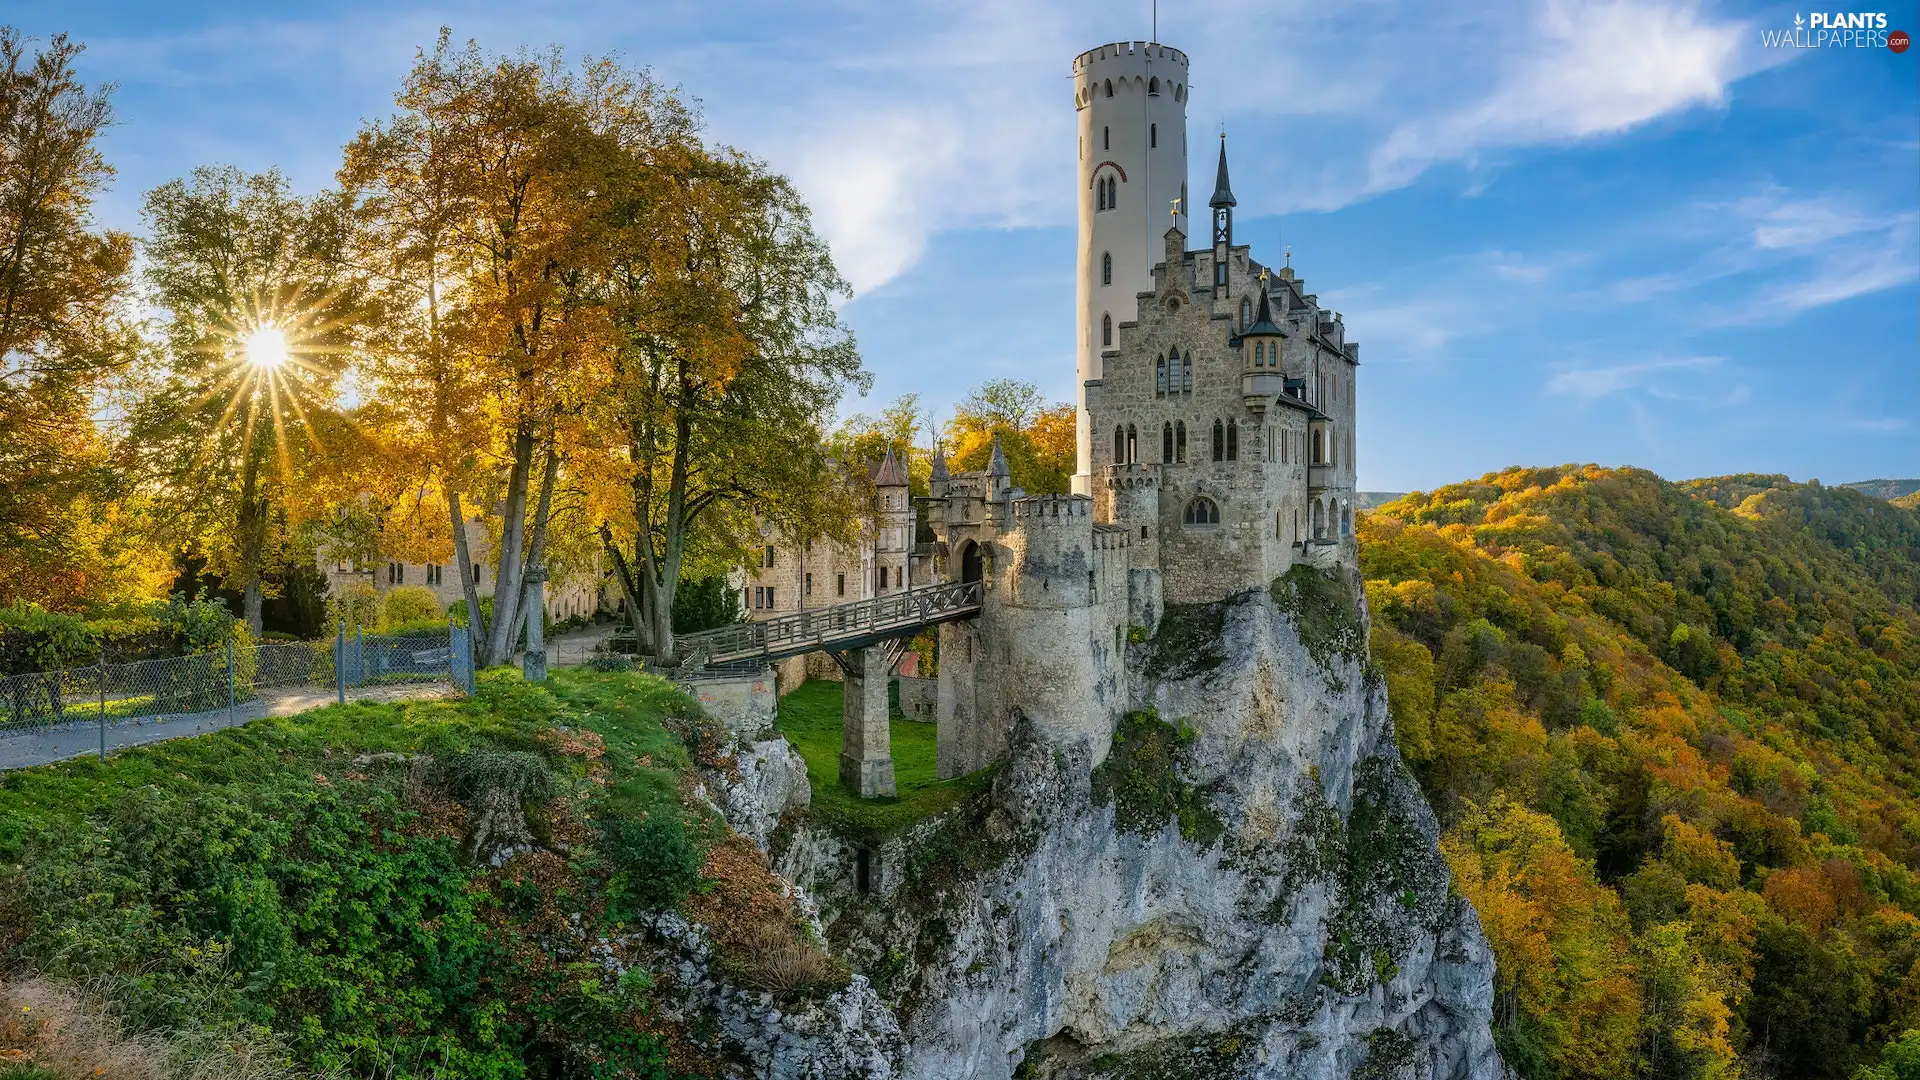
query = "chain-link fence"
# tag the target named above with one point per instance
(51, 715)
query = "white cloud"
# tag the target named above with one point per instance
(1593, 383)
(1586, 69)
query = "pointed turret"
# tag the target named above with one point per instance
(1263, 323)
(1222, 190)
(940, 464)
(890, 474)
(997, 464)
(1222, 203)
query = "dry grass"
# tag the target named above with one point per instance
(52, 1030)
(56, 1028)
(754, 928)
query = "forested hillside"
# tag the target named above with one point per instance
(1673, 734)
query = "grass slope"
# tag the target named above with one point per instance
(810, 718)
(302, 890)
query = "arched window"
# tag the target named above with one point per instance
(1153, 136)
(1166, 444)
(1233, 440)
(1159, 376)
(1106, 268)
(1201, 511)
(1133, 444)
(1219, 441)
(1260, 354)
(1180, 441)
(1113, 192)
(1153, 86)
(1319, 447)
(1186, 373)
(1119, 444)
(1109, 87)
(1106, 329)
(1099, 195)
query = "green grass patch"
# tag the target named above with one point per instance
(1325, 611)
(1141, 779)
(810, 719)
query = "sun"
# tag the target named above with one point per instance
(266, 347)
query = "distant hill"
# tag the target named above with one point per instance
(1669, 728)
(1367, 500)
(1889, 490)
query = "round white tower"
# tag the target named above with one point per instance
(1132, 100)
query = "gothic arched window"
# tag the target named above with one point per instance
(1180, 441)
(1153, 86)
(1166, 444)
(1260, 354)
(1186, 373)
(1133, 444)
(1201, 511)
(1159, 376)
(1173, 371)
(1106, 268)
(1119, 444)
(1219, 441)
(1106, 329)
(1113, 192)
(1109, 87)
(1233, 440)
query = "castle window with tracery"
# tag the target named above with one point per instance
(1201, 511)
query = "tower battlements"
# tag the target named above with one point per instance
(1043, 511)
(1130, 52)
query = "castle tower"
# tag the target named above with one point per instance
(1132, 166)
(893, 521)
(1222, 204)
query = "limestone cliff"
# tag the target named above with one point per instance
(1245, 883)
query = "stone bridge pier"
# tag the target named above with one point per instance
(866, 750)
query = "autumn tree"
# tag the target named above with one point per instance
(62, 332)
(1036, 437)
(257, 310)
(481, 202)
(730, 363)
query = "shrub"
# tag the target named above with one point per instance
(610, 663)
(411, 604)
(783, 962)
(356, 605)
(655, 862)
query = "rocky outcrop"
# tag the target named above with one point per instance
(1248, 885)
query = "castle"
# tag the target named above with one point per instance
(1215, 451)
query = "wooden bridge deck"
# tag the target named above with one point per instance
(833, 629)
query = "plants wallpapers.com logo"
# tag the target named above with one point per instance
(1838, 30)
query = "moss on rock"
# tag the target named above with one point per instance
(1141, 779)
(1324, 611)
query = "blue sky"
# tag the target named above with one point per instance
(1621, 232)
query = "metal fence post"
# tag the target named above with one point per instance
(359, 656)
(229, 680)
(340, 661)
(103, 710)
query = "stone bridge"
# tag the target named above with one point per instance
(866, 638)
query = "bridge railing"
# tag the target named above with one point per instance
(822, 628)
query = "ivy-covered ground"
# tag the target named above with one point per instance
(314, 892)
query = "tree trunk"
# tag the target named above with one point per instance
(506, 580)
(537, 546)
(463, 565)
(633, 588)
(253, 538)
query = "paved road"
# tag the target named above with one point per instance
(47, 745)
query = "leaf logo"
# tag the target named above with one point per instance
(1799, 21)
